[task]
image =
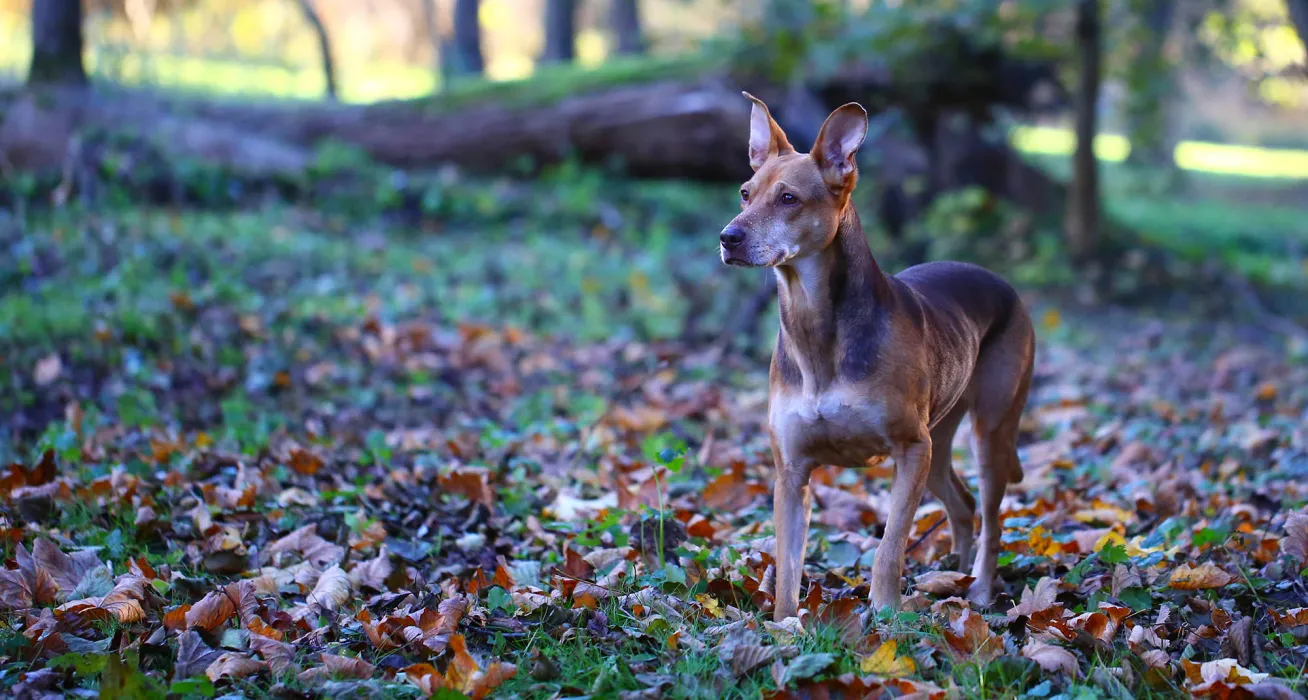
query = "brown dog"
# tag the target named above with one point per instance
(868, 365)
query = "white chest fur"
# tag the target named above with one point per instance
(835, 426)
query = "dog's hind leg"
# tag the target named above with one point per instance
(1000, 383)
(945, 484)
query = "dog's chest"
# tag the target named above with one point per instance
(836, 426)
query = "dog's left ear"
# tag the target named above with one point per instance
(841, 135)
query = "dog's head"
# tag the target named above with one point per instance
(792, 206)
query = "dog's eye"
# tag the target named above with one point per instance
(788, 198)
(744, 194)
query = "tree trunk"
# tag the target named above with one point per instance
(57, 43)
(1083, 206)
(1150, 85)
(467, 38)
(324, 45)
(1299, 18)
(626, 26)
(439, 56)
(560, 30)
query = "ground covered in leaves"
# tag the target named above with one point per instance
(274, 455)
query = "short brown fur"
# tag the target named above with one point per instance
(869, 365)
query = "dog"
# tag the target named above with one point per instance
(868, 365)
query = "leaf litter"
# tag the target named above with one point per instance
(405, 501)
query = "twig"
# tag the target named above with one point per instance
(925, 535)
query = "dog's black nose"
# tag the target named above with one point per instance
(731, 236)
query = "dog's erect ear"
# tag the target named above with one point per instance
(837, 142)
(766, 139)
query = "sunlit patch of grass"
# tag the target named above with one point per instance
(1248, 161)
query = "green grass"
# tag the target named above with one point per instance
(1198, 156)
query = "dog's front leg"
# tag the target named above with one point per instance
(912, 464)
(792, 504)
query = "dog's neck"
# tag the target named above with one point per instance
(826, 300)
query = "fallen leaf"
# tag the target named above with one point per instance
(1219, 678)
(348, 667)
(124, 603)
(1052, 658)
(66, 570)
(305, 544)
(970, 635)
(1295, 542)
(373, 573)
(884, 662)
(729, 491)
(747, 657)
(211, 612)
(234, 666)
(193, 655)
(332, 591)
(473, 483)
(305, 462)
(943, 583)
(277, 654)
(1204, 576)
(1293, 617)
(842, 510)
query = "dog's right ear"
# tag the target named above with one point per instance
(766, 139)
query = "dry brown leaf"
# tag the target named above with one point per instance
(730, 491)
(66, 570)
(304, 544)
(917, 690)
(124, 603)
(257, 626)
(1219, 678)
(15, 591)
(234, 666)
(464, 673)
(943, 583)
(473, 483)
(1039, 605)
(193, 655)
(747, 657)
(332, 591)
(348, 667)
(211, 612)
(372, 574)
(1204, 576)
(42, 586)
(426, 677)
(1052, 658)
(1293, 617)
(305, 462)
(1156, 658)
(175, 619)
(278, 655)
(1295, 542)
(842, 510)
(970, 635)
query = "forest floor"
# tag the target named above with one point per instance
(275, 453)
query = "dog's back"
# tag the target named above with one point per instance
(954, 291)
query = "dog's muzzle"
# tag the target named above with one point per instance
(732, 239)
